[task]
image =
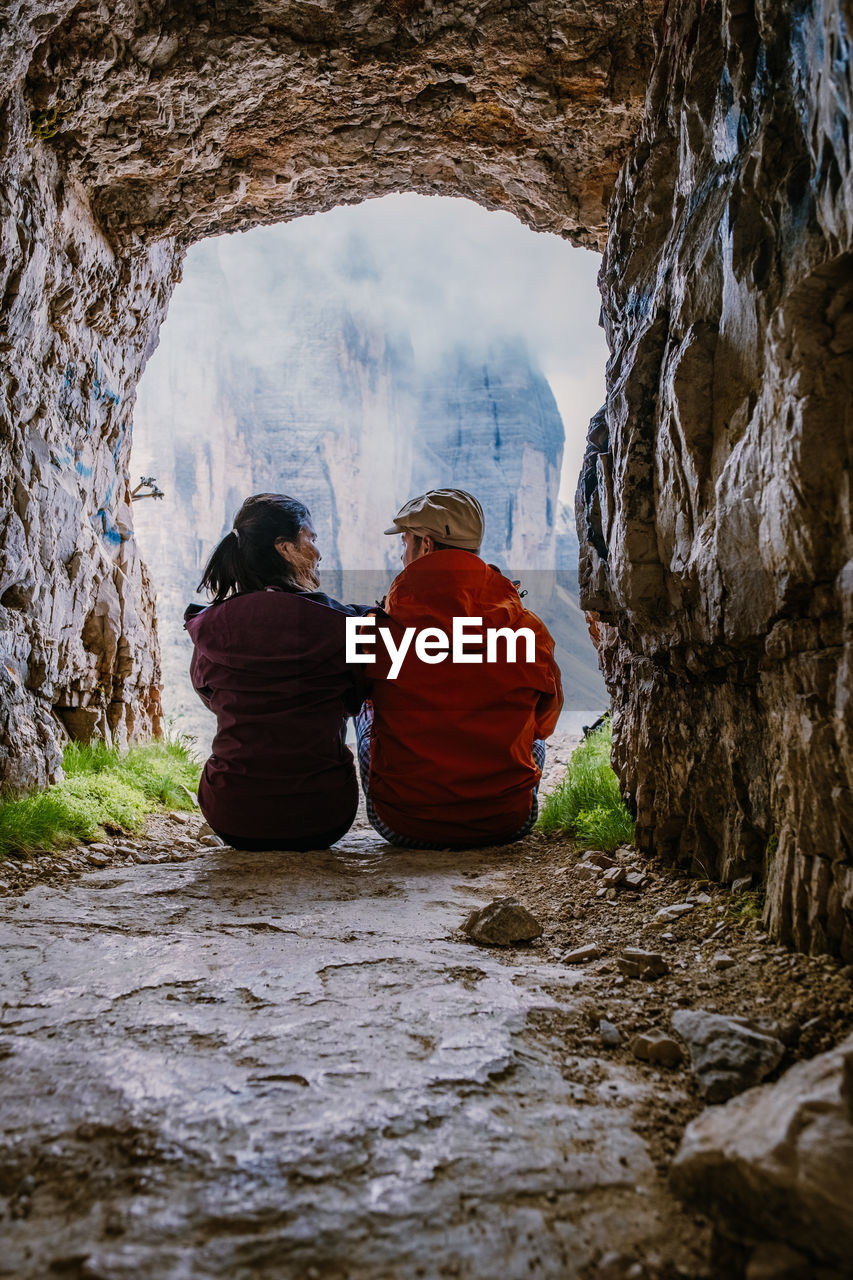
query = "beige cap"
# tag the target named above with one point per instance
(448, 515)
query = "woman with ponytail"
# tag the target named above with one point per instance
(269, 660)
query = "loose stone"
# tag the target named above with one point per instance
(597, 859)
(635, 963)
(727, 1055)
(587, 871)
(611, 1036)
(635, 880)
(580, 954)
(668, 915)
(612, 876)
(777, 1162)
(502, 923)
(655, 1046)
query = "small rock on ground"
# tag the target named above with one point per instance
(610, 1034)
(655, 1046)
(777, 1162)
(501, 923)
(580, 954)
(603, 861)
(726, 1054)
(636, 963)
(668, 915)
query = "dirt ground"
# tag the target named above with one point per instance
(297, 1065)
(806, 1001)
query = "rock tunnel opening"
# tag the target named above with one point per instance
(133, 134)
(355, 358)
(130, 132)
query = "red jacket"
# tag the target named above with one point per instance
(271, 665)
(451, 747)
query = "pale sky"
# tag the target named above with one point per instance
(453, 268)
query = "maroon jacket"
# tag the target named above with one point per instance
(270, 664)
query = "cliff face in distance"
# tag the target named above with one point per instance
(275, 374)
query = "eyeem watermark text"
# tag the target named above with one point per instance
(433, 645)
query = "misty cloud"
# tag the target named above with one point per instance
(443, 274)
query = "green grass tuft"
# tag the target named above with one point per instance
(587, 804)
(88, 758)
(103, 790)
(162, 770)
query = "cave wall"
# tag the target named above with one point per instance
(715, 504)
(76, 609)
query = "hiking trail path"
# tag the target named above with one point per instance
(296, 1065)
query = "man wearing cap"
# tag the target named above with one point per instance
(451, 748)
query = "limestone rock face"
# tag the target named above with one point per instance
(131, 130)
(777, 1162)
(183, 123)
(76, 612)
(273, 374)
(273, 377)
(714, 507)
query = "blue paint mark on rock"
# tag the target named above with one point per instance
(100, 390)
(122, 432)
(109, 529)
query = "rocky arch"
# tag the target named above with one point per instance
(131, 129)
(717, 136)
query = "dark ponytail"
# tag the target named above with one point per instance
(246, 558)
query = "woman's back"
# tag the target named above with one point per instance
(270, 664)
